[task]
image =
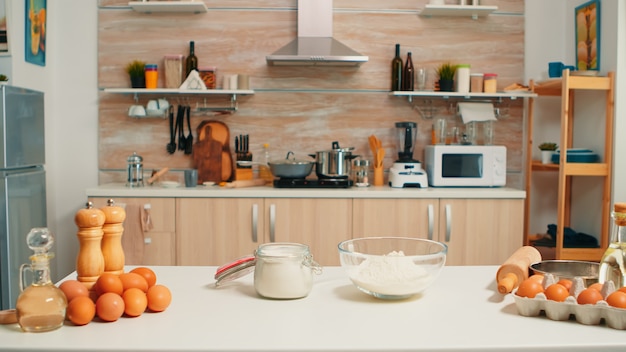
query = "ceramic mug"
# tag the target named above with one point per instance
(136, 111)
(555, 69)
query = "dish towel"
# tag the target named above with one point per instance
(571, 239)
(476, 112)
(132, 240)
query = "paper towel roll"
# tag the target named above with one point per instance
(476, 112)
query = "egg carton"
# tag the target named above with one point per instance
(588, 314)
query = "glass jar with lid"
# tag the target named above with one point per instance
(281, 270)
(361, 172)
(134, 171)
(490, 82)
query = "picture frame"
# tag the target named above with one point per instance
(35, 32)
(4, 28)
(587, 28)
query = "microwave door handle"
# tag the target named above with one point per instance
(431, 221)
(448, 221)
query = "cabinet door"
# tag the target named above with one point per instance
(214, 231)
(396, 217)
(480, 231)
(156, 246)
(319, 223)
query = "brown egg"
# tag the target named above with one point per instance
(159, 298)
(556, 292)
(73, 289)
(617, 299)
(589, 296)
(110, 306)
(529, 288)
(81, 310)
(130, 280)
(147, 274)
(135, 302)
(108, 282)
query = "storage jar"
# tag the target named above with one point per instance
(490, 82)
(173, 70)
(476, 82)
(463, 78)
(361, 172)
(284, 270)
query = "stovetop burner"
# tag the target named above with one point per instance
(316, 183)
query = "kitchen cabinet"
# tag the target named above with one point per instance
(566, 88)
(214, 231)
(477, 231)
(157, 245)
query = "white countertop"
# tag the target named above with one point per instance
(120, 190)
(462, 311)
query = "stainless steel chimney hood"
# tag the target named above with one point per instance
(315, 45)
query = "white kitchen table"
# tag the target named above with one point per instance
(462, 311)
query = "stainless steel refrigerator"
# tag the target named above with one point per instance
(22, 182)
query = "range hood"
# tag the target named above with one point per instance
(315, 45)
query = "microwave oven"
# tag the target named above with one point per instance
(465, 165)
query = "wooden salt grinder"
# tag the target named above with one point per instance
(113, 229)
(515, 269)
(90, 262)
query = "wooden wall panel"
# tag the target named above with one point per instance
(302, 109)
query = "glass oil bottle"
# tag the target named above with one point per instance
(41, 306)
(612, 267)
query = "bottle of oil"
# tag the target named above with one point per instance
(612, 266)
(41, 306)
(264, 170)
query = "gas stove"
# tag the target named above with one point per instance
(313, 183)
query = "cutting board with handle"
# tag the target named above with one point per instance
(211, 153)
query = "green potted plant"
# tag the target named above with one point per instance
(547, 150)
(446, 73)
(136, 71)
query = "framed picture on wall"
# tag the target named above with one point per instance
(35, 32)
(587, 31)
(4, 28)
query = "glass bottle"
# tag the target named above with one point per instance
(192, 60)
(41, 306)
(612, 262)
(264, 169)
(396, 71)
(408, 80)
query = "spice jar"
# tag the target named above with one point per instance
(135, 171)
(361, 172)
(281, 270)
(476, 82)
(490, 82)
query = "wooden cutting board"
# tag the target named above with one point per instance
(211, 153)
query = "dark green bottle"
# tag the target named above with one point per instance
(396, 71)
(192, 60)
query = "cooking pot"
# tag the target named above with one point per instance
(334, 163)
(290, 167)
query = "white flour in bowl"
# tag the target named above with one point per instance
(392, 274)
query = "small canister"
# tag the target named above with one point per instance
(361, 172)
(173, 70)
(152, 76)
(281, 270)
(490, 82)
(135, 171)
(476, 82)
(462, 78)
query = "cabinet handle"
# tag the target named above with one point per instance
(431, 220)
(448, 221)
(255, 222)
(272, 222)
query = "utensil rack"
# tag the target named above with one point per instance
(565, 89)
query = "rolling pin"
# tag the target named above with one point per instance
(157, 175)
(515, 269)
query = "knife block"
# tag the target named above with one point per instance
(243, 173)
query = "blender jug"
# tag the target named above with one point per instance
(407, 137)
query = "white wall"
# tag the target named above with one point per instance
(550, 37)
(69, 80)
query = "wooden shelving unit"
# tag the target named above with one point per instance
(565, 88)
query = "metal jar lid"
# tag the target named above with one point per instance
(361, 162)
(134, 159)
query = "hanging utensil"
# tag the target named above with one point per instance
(189, 140)
(171, 146)
(180, 118)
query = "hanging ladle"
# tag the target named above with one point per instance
(189, 140)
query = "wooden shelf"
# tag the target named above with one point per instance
(168, 6)
(563, 88)
(457, 10)
(178, 91)
(446, 95)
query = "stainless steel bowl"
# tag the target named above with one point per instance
(568, 269)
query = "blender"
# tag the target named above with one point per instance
(406, 171)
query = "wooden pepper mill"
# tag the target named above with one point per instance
(90, 261)
(113, 229)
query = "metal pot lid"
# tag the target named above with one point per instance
(232, 271)
(290, 159)
(336, 148)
